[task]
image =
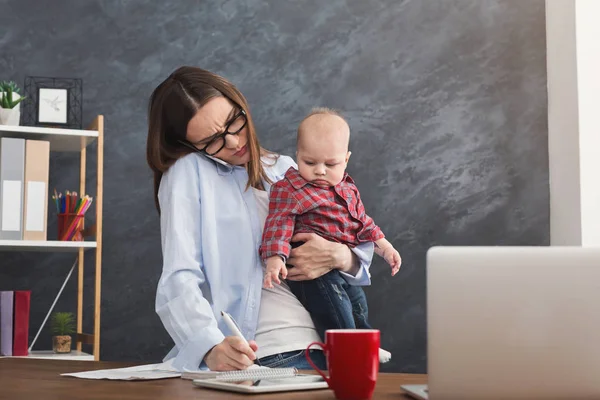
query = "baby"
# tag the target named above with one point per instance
(320, 197)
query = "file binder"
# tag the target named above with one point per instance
(6, 322)
(12, 171)
(37, 165)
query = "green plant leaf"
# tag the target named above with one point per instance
(4, 85)
(17, 101)
(62, 323)
(20, 99)
(6, 101)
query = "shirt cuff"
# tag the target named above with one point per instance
(373, 235)
(377, 234)
(275, 248)
(191, 356)
(364, 252)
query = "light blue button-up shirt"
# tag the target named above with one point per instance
(210, 236)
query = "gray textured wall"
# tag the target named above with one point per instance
(446, 102)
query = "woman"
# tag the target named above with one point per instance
(211, 184)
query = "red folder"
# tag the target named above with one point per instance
(21, 322)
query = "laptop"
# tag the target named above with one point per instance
(512, 323)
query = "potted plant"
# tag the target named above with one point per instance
(10, 107)
(62, 326)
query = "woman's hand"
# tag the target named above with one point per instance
(231, 354)
(317, 256)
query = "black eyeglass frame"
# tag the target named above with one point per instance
(226, 132)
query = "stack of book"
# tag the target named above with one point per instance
(14, 322)
(24, 169)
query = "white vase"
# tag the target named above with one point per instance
(10, 116)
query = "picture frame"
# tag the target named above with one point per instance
(53, 102)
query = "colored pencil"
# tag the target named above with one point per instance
(71, 209)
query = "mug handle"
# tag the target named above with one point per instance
(307, 354)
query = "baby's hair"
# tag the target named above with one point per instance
(323, 110)
(319, 111)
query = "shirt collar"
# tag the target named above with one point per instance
(297, 181)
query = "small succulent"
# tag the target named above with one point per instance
(62, 323)
(6, 101)
(5, 85)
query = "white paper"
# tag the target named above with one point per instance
(36, 200)
(137, 373)
(11, 206)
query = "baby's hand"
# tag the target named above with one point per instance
(274, 267)
(392, 257)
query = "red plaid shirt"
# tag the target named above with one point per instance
(296, 205)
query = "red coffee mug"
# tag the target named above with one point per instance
(352, 360)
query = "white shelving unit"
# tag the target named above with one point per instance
(60, 139)
(70, 140)
(45, 246)
(50, 355)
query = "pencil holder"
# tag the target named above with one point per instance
(70, 226)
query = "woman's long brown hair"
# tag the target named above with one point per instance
(174, 103)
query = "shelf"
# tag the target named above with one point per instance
(44, 246)
(50, 355)
(75, 141)
(60, 139)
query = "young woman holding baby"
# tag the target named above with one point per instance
(211, 185)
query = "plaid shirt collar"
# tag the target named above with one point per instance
(298, 182)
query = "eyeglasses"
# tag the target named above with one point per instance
(216, 144)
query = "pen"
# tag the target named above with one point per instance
(234, 328)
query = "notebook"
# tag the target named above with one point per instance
(252, 372)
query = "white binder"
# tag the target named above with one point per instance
(12, 174)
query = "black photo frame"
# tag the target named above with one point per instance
(49, 99)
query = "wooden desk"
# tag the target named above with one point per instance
(40, 379)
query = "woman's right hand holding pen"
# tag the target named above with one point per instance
(231, 354)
